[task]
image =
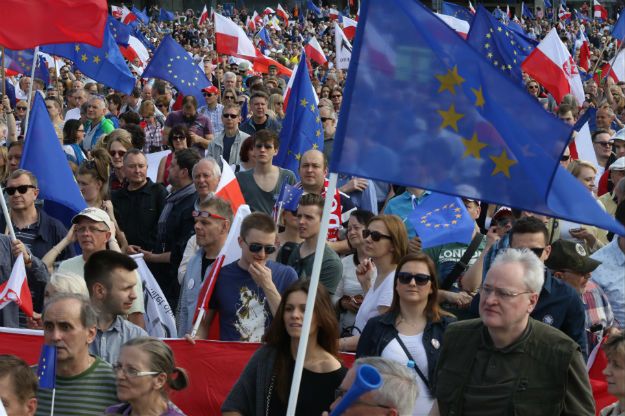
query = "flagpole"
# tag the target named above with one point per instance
(7, 217)
(3, 74)
(312, 294)
(30, 90)
(52, 406)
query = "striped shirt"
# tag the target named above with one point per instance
(88, 393)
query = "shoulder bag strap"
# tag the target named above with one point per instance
(462, 265)
(412, 363)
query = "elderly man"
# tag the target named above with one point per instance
(18, 386)
(97, 125)
(200, 128)
(85, 384)
(505, 362)
(227, 143)
(396, 397)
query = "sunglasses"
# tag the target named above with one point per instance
(336, 96)
(375, 235)
(178, 137)
(233, 116)
(22, 189)
(206, 214)
(565, 158)
(208, 94)
(118, 153)
(229, 97)
(420, 279)
(161, 105)
(257, 247)
(603, 144)
(537, 250)
(324, 119)
(265, 145)
(21, 108)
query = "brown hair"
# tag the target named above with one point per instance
(98, 168)
(397, 231)
(257, 221)
(22, 376)
(615, 346)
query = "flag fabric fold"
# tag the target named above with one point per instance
(231, 39)
(618, 31)
(26, 24)
(457, 11)
(480, 136)
(120, 31)
(165, 16)
(46, 367)
(203, 17)
(16, 288)
(228, 187)
(141, 15)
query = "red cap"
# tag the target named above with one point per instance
(212, 89)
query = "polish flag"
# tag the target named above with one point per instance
(258, 19)
(289, 85)
(268, 11)
(250, 25)
(228, 187)
(116, 11)
(16, 288)
(553, 67)
(283, 14)
(616, 69)
(508, 12)
(564, 14)
(262, 62)
(134, 50)
(203, 17)
(127, 16)
(349, 27)
(600, 11)
(584, 52)
(584, 149)
(231, 39)
(471, 8)
(333, 14)
(313, 51)
(460, 26)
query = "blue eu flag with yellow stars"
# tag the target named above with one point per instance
(46, 369)
(301, 129)
(442, 219)
(424, 109)
(105, 64)
(504, 47)
(120, 31)
(457, 11)
(22, 62)
(173, 64)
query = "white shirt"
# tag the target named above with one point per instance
(382, 296)
(610, 277)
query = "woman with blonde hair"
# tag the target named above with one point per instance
(4, 165)
(276, 104)
(117, 143)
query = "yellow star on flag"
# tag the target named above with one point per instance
(84, 57)
(502, 164)
(312, 108)
(77, 48)
(473, 147)
(450, 80)
(479, 97)
(96, 59)
(315, 146)
(303, 102)
(298, 156)
(450, 118)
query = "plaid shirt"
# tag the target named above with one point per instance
(598, 311)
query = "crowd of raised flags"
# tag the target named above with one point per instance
(422, 107)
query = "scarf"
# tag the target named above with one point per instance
(170, 202)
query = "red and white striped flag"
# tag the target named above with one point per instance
(268, 11)
(231, 39)
(16, 288)
(460, 26)
(116, 11)
(127, 16)
(283, 15)
(349, 27)
(313, 51)
(228, 187)
(600, 11)
(471, 8)
(203, 17)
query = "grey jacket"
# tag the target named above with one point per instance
(216, 148)
(38, 272)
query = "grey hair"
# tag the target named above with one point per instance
(216, 168)
(533, 267)
(231, 75)
(399, 389)
(67, 282)
(88, 315)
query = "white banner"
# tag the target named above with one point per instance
(343, 48)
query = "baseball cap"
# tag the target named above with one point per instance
(570, 255)
(94, 214)
(620, 135)
(212, 89)
(618, 164)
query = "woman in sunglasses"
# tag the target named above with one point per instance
(118, 142)
(144, 373)
(412, 330)
(386, 242)
(263, 387)
(177, 139)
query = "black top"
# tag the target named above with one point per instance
(316, 393)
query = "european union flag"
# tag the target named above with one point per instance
(472, 131)
(548, 4)
(288, 200)
(105, 64)
(314, 8)
(172, 63)
(264, 37)
(120, 31)
(45, 158)
(457, 11)
(301, 128)
(141, 15)
(583, 17)
(526, 12)
(618, 31)
(165, 16)
(46, 368)
(503, 47)
(499, 14)
(22, 62)
(442, 219)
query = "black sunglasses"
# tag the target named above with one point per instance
(419, 278)
(225, 115)
(375, 235)
(208, 94)
(22, 189)
(265, 145)
(537, 250)
(257, 247)
(324, 119)
(565, 158)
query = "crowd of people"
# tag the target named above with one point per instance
(504, 324)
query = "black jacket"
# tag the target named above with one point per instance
(380, 330)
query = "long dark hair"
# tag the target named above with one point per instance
(278, 337)
(363, 217)
(432, 311)
(69, 131)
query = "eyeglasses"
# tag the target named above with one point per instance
(419, 278)
(21, 108)
(178, 137)
(503, 294)
(375, 235)
(118, 153)
(229, 97)
(336, 96)
(22, 189)
(161, 105)
(206, 214)
(265, 145)
(537, 250)
(80, 130)
(91, 228)
(603, 144)
(565, 158)
(232, 116)
(131, 372)
(324, 119)
(257, 247)
(208, 94)
(532, 87)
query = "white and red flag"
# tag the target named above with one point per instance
(471, 8)
(314, 52)
(268, 11)
(16, 288)
(600, 12)
(228, 187)
(231, 39)
(116, 11)
(551, 65)
(584, 51)
(127, 16)
(283, 14)
(250, 25)
(460, 26)
(564, 14)
(333, 14)
(508, 12)
(203, 17)
(616, 68)
(349, 27)
(258, 19)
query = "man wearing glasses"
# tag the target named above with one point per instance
(602, 145)
(505, 362)
(227, 143)
(212, 109)
(248, 291)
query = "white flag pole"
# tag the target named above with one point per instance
(7, 217)
(52, 406)
(312, 294)
(30, 90)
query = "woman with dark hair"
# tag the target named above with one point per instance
(177, 139)
(349, 293)
(73, 134)
(145, 371)
(264, 385)
(385, 243)
(412, 330)
(246, 155)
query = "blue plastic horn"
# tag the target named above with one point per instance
(367, 378)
